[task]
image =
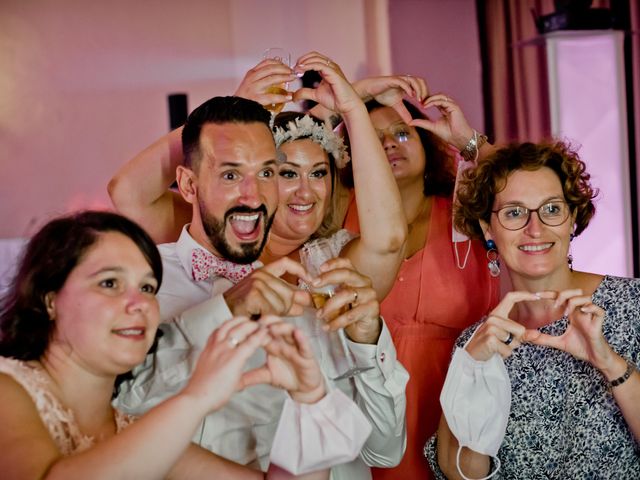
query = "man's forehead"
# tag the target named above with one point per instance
(237, 143)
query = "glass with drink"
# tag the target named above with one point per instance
(283, 56)
(312, 255)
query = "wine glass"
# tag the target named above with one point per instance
(281, 55)
(313, 254)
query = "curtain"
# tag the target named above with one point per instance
(515, 88)
(516, 95)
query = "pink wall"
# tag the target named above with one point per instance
(438, 40)
(83, 84)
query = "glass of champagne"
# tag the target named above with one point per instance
(312, 255)
(282, 56)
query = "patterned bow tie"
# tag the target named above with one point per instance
(205, 265)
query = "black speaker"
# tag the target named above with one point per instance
(177, 110)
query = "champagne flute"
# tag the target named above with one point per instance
(313, 254)
(281, 55)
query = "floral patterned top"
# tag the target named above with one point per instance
(564, 422)
(58, 419)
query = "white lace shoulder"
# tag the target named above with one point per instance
(339, 239)
(59, 420)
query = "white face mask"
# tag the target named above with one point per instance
(476, 400)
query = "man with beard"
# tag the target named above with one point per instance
(229, 179)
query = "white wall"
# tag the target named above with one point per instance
(83, 84)
(588, 108)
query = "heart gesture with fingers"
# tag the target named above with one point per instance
(583, 338)
(290, 363)
(499, 333)
(391, 90)
(452, 126)
(334, 92)
(219, 371)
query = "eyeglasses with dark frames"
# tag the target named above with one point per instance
(516, 217)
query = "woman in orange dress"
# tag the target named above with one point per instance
(442, 287)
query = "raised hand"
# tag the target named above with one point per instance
(334, 92)
(391, 90)
(354, 306)
(583, 338)
(265, 74)
(452, 126)
(498, 333)
(290, 363)
(219, 370)
(265, 293)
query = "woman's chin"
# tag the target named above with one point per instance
(304, 228)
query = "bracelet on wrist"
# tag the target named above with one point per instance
(470, 151)
(625, 376)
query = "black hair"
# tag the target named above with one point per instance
(218, 110)
(439, 171)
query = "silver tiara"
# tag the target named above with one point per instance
(305, 127)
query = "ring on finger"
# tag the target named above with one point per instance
(233, 341)
(355, 299)
(509, 339)
(328, 62)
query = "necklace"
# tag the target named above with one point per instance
(418, 229)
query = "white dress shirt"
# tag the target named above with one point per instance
(243, 429)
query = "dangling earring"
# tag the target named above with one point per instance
(570, 256)
(492, 255)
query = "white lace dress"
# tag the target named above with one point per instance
(58, 419)
(337, 242)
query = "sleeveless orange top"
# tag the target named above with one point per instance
(430, 304)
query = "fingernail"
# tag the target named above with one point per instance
(538, 295)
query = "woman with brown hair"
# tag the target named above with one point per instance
(566, 344)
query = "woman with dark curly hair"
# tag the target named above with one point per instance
(563, 347)
(442, 286)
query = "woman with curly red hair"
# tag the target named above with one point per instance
(565, 344)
